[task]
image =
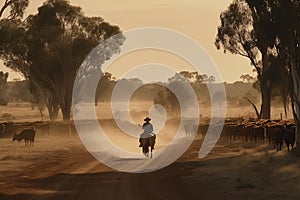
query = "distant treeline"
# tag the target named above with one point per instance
(19, 91)
(13, 91)
(16, 91)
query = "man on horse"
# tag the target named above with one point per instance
(148, 131)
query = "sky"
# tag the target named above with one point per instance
(198, 19)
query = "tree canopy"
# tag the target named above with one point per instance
(16, 8)
(249, 32)
(49, 47)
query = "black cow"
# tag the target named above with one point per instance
(290, 136)
(27, 135)
(248, 132)
(275, 134)
(258, 133)
(2, 130)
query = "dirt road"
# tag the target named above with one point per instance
(68, 171)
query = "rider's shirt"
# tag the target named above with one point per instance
(148, 130)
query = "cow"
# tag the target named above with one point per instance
(275, 135)
(238, 131)
(290, 136)
(202, 129)
(229, 130)
(258, 132)
(27, 135)
(248, 132)
(269, 127)
(2, 130)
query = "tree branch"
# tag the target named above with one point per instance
(254, 106)
(7, 3)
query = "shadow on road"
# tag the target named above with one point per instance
(242, 176)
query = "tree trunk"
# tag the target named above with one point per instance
(66, 112)
(265, 86)
(51, 104)
(296, 113)
(53, 109)
(296, 97)
(265, 111)
(65, 105)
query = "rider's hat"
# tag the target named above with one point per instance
(147, 119)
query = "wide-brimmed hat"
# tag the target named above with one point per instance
(147, 119)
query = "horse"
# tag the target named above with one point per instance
(147, 142)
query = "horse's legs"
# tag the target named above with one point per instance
(148, 144)
(151, 153)
(146, 151)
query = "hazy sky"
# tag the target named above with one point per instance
(196, 18)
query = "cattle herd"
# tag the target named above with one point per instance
(27, 131)
(274, 132)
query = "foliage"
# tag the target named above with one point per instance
(247, 78)
(16, 8)
(249, 32)
(19, 91)
(49, 47)
(105, 82)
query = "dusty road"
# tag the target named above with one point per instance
(65, 170)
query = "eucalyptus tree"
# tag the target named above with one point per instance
(242, 32)
(49, 47)
(285, 15)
